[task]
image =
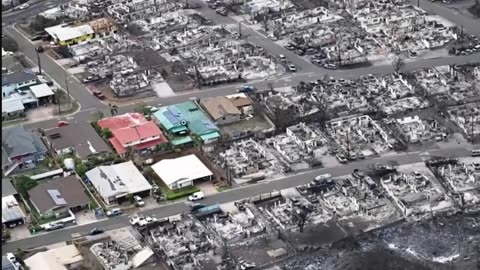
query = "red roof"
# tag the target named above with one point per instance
(122, 150)
(130, 127)
(137, 133)
(122, 121)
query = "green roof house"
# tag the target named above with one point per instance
(182, 120)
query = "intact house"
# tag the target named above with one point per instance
(12, 213)
(182, 172)
(222, 110)
(21, 149)
(133, 130)
(184, 120)
(11, 82)
(66, 35)
(21, 91)
(57, 196)
(114, 182)
(79, 139)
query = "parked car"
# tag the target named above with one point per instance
(196, 196)
(300, 52)
(272, 37)
(150, 219)
(24, 6)
(114, 212)
(357, 174)
(96, 231)
(342, 159)
(291, 68)
(289, 47)
(476, 166)
(138, 201)
(282, 57)
(222, 11)
(330, 66)
(54, 226)
(136, 220)
(90, 79)
(98, 94)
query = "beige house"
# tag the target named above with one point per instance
(222, 110)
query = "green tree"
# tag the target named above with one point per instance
(81, 169)
(98, 115)
(142, 108)
(24, 184)
(106, 133)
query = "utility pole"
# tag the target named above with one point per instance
(39, 64)
(418, 3)
(348, 143)
(471, 132)
(239, 30)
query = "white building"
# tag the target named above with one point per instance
(115, 182)
(182, 172)
(61, 258)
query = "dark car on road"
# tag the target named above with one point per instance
(39, 49)
(96, 231)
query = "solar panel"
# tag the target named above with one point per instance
(170, 117)
(208, 124)
(56, 197)
(173, 110)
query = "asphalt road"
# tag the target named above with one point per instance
(34, 9)
(224, 197)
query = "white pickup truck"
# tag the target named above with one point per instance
(141, 221)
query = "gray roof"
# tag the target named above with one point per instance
(17, 141)
(11, 63)
(17, 77)
(81, 136)
(7, 187)
(70, 189)
(6, 264)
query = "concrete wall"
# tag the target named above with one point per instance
(228, 119)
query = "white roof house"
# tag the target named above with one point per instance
(11, 105)
(61, 258)
(181, 172)
(41, 90)
(64, 32)
(118, 180)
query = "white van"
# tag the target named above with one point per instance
(475, 152)
(196, 196)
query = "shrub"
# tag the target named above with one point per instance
(24, 184)
(9, 44)
(180, 193)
